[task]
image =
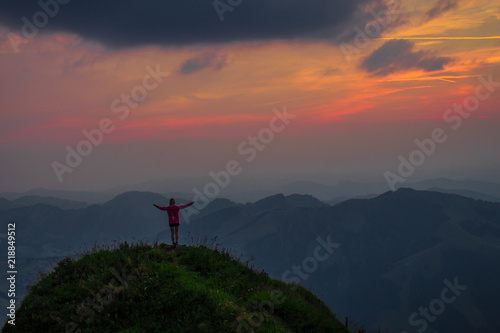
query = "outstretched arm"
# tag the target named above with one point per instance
(186, 205)
(162, 208)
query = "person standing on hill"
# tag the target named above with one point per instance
(173, 218)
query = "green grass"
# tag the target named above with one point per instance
(156, 288)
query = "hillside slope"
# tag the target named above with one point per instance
(144, 288)
(394, 253)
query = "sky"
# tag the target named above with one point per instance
(101, 94)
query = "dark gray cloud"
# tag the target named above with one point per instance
(398, 55)
(207, 60)
(378, 20)
(127, 23)
(441, 7)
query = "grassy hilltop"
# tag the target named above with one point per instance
(156, 288)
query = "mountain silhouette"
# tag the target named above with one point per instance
(395, 252)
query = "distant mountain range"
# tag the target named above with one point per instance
(31, 200)
(469, 188)
(390, 255)
(251, 191)
(394, 252)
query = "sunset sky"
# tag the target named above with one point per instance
(361, 90)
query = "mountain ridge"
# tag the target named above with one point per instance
(400, 237)
(250, 193)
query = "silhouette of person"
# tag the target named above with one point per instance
(173, 218)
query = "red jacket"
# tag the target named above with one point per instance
(173, 212)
